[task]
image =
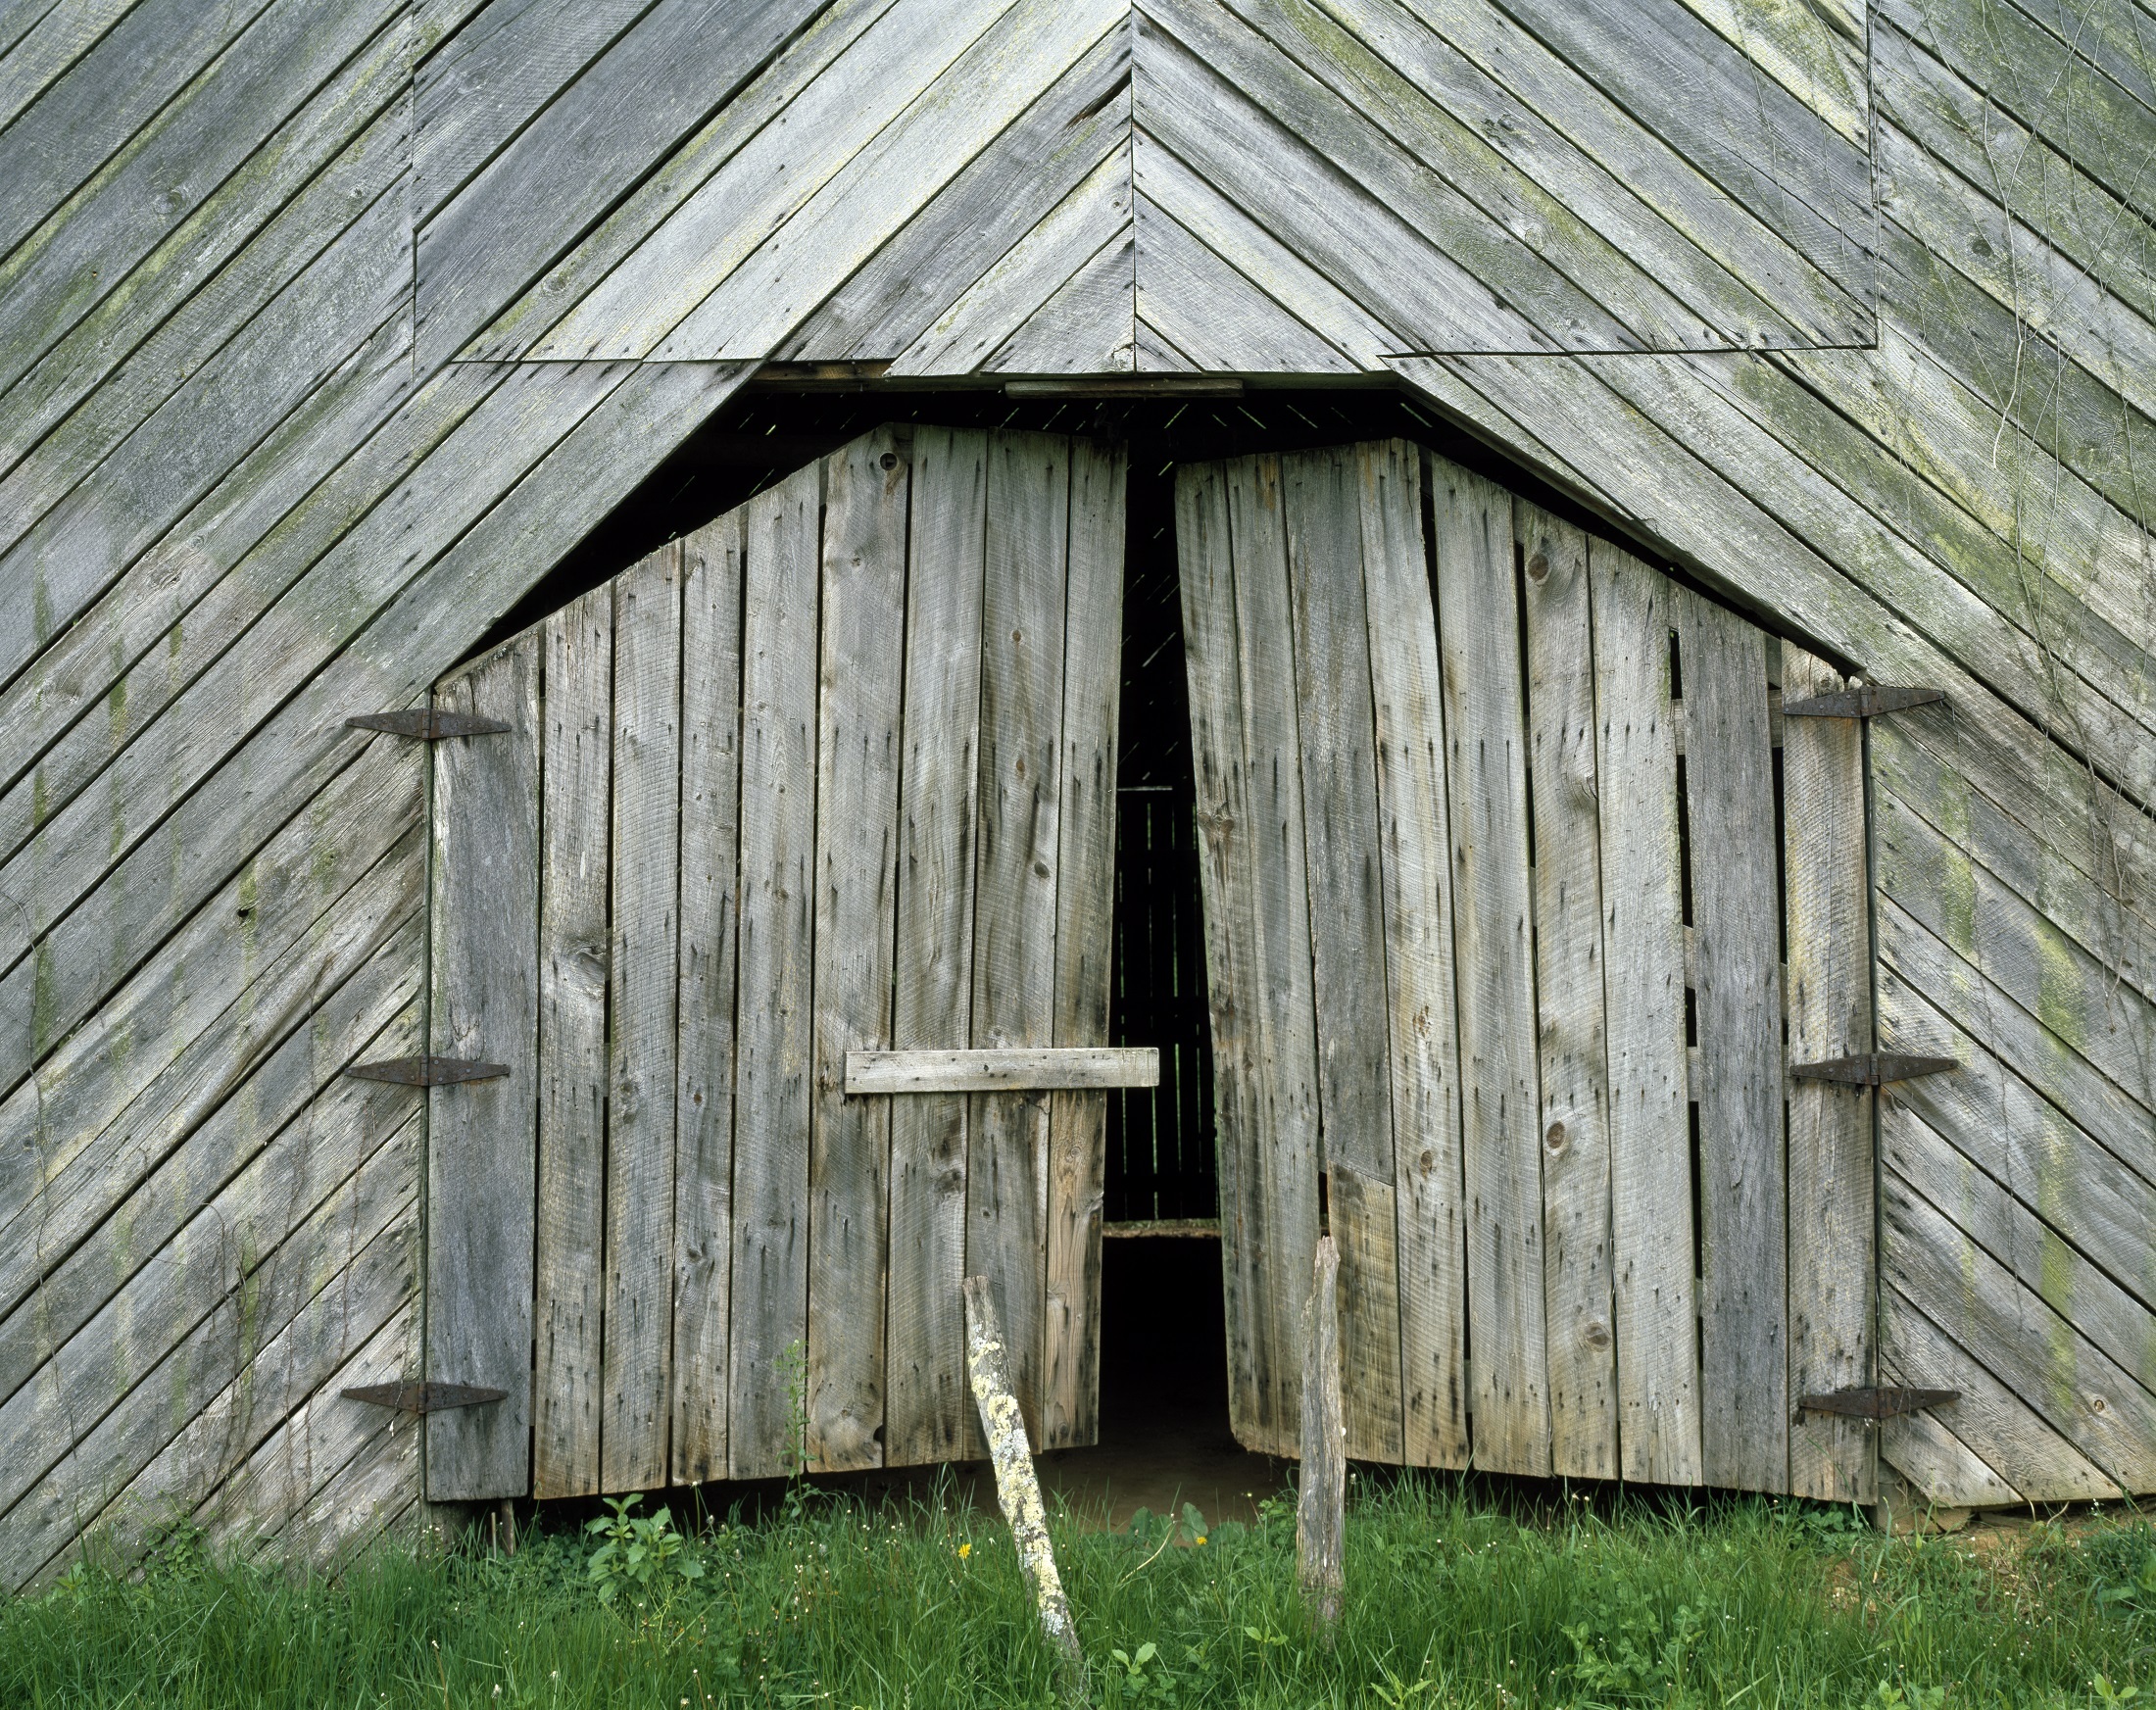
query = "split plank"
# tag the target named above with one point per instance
(1085, 911)
(1569, 995)
(1736, 994)
(1337, 731)
(483, 910)
(704, 1053)
(1486, 765)
(859, 704)
(773, 1026)
(1406, 690)
(636, 1380)
(1658, 1402)
(575, 953)
(1022, 638)
(926, 1400)
(1832, 1263)
(1056, 1067)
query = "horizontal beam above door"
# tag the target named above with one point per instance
(1000, 1071)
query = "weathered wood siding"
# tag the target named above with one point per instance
(242, 498)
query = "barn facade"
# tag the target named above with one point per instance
(1663, 752)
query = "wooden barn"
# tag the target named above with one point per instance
(674, 671)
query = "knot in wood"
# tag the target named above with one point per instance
(1555, 1138)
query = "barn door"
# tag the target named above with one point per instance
(1499, 874)
(834, 774)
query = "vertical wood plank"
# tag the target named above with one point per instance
(1414, 828)
(1568, 995)
(703, 1112)
(925, 1408)
(858, 710)
(1832, 1190)
(1283, 1147)
(1014, 908)
(1486, 738)
(1736, 929)
(574, 952)
(480, 1184)
(638, 1343)
(1338, 728)
(1644, 995)
(1085, 905)
(769, 1313)
(1258, 1352)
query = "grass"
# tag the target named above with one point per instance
(1451, 1601)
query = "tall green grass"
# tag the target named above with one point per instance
(1451, 1601)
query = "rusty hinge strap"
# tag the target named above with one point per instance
(424, 1397)
(1875, 1402)
(1872, 1070)
(1868, 701)
(427, 1071)
(425, 725)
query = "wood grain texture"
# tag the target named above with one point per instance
(1337, 728)
(1085, 902)
(1022, 663)
(773, 1026)
(1737, 1000)
(1485, 773)
(1282, 1150)
(703, 1050)
(485, 966)
(1059, 1068)
(1259, 1349)
(857, 753)
(575, 953)
(1569, 993)
(1416, 852)
(1658, 1399)
(925, 1394)
(636, 1350)
(1828, 922)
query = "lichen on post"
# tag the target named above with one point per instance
(1017, 1486)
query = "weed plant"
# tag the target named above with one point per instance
(830, 1602)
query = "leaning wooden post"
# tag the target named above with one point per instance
(1322, 1498)
(1016, 1487)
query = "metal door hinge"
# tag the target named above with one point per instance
(1875, 1402)
(425, 725)
(427, 1071)
(1871, 1070)
(424, 1397)
(1868, 701)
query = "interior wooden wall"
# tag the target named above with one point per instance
(244, 493)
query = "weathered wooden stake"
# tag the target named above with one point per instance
(1017, 1486)
(1321, 1497)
